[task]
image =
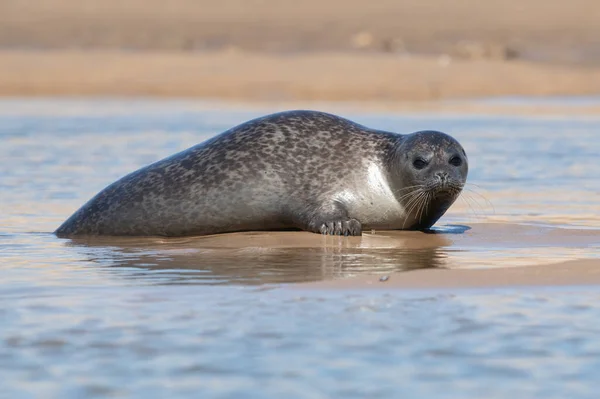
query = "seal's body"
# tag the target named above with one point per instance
(292, 170)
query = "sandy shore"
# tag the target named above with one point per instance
(235, 75)
(329, 50)
(558, 31)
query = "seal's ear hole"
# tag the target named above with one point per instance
(419, 163)
(456, 161)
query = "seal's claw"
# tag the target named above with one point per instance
(352, 227)
(348, 227)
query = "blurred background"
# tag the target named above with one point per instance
(300, 50)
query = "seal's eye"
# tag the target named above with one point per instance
(419, 163)
(456, 161)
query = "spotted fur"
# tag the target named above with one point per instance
(292, 170)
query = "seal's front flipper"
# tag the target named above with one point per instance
(331, 219)
(348, 227)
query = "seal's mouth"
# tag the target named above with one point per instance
(425, 204)
(444, 188)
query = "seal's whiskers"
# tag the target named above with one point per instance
(412, 204)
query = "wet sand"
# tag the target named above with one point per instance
(571, 273)
(452, 256)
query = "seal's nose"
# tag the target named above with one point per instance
(442, 177)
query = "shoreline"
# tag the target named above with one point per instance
(387, 82)
(580, 272)
(527, 256)
(528, 106)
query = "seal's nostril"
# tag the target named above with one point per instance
(442, 178)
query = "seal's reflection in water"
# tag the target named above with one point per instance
(254, 258)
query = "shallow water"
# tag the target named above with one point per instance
(209, 316)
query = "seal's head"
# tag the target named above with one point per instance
(433, 170)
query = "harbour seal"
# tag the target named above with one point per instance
(304, 170)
